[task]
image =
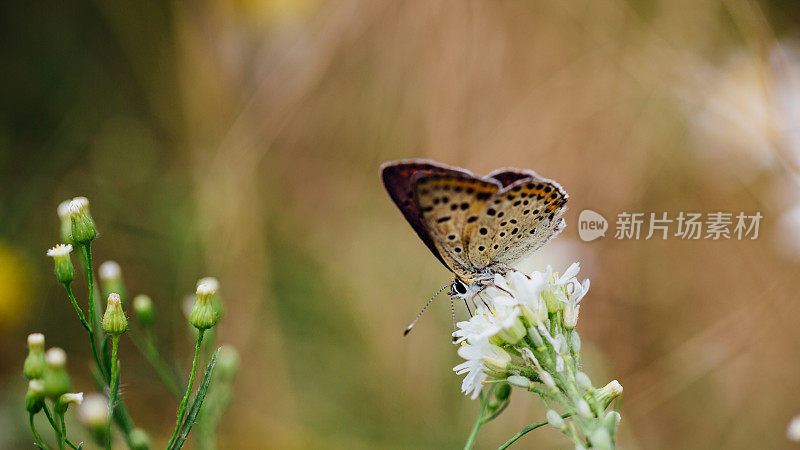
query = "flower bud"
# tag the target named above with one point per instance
(83, 228)
(65, 400)
(502, 391)
(143, 307)
(93, 414)
(584, 409)
(608, 393)
(583, 381)
(66, 222)
(227, 363)
(111, 280)
(576, 342)
(65, 272)
(34, 398)
(553, 305)
(35, 361)
(601, 439)
(496, 361)
(114, 321)
(56, 379)
(535, 337)
(555, 420)
(512, 334)
(139, 439)
(519, 381)
(570, 318)
(216, 299)
(611, 420)
(203, 316)
(548, 380)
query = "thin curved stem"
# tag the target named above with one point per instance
(527, 429)
(185, 400)
(35, 434)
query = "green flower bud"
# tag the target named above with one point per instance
(553, 305)
(576, 342)
(34, 398)
(611, 420)
(584, 409)
(111, 280)
(83, 228)
(56, 379)
(114, 321)
(35, 361)
(555, 420)
(570, 317)
(535, 337)
(203, 316)
(227, 363)
(65, 400)
(548, 380)
(519, 381)
(216, 299)
(143, 307)
(502, 391)
(608, 393)
(66, 222)
(512, 334)
(65, 272)
(583, 381)
(601, 439)
(139, 439)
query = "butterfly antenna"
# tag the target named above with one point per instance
(408, 329)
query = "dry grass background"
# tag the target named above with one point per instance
(242, 139)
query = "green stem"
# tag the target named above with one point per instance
(526, 430)
(35, 434)
(86, 325)
(63, 435)
(473, 435)
(57, 428)
(185, 400)
(112, 397)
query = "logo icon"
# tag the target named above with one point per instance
(591, 225)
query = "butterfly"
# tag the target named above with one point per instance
(477, 226)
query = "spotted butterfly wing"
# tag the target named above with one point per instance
(451, 205)
(518, 219)
(398, 178)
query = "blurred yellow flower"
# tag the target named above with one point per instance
(15, 297)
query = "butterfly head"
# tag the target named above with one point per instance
(463, 290)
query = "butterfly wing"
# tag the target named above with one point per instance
(518, 219)
(450, 205)
(508, 175)
(398, 179)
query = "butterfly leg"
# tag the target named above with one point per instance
(467, 305)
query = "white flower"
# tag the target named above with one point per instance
(60, 250)
(480, 357)
(478, 328)
(793, 431)
(211, 281)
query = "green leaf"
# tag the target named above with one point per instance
(196, 405)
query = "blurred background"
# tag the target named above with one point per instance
(242, 139)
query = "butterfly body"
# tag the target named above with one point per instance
(477, 226)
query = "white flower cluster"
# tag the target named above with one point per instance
(514, 316)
